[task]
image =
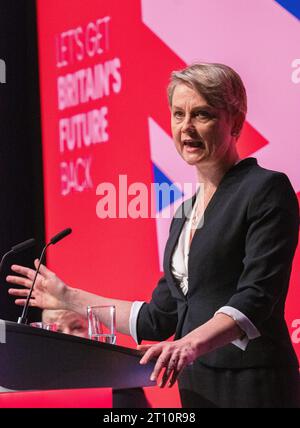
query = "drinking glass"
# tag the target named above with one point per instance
(102, 323)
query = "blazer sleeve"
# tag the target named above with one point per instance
(271, 241)
(157, 320)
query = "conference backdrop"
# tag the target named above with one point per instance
(104, 67)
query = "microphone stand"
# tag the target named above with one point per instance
(58, 237)
(23, 318)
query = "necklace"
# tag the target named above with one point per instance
(200, 205)
(194, 222)
(197, 215)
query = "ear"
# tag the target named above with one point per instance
(237, 124)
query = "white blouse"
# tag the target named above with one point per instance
(179, 264)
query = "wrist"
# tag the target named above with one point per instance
(67, 298)
(72, 300)
(195, 340)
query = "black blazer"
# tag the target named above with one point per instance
(241, 257)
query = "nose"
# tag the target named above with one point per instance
(187, 124)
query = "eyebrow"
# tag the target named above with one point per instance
(203, 107)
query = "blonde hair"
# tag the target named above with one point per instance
(219, 84)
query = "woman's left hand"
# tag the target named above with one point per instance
(171, 356)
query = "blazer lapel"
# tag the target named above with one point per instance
(179, 219)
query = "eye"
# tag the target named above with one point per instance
(178, 114)
(203, 114)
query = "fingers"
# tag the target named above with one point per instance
(171, 368)
(19, 280)
(162, 362)
(28, 273)
(44, 271)
(152, 352)
(172, 358)
(143, 348)
(22, 293)
(174, 378)
(170, 363)
(21, 302)
(22, 270)
(18, 293)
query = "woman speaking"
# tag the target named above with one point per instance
(225, 283)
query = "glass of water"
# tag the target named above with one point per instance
(102, 323)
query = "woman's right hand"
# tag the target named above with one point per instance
(49, 290)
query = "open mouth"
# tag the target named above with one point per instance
(194, 143)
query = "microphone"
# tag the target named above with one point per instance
(58, 237)
(23, 246)
(17, 249)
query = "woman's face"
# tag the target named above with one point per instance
(200, 132)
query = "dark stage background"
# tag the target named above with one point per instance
(21, 198)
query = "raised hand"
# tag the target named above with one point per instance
(49, 290)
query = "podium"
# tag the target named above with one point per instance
(36, 359)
